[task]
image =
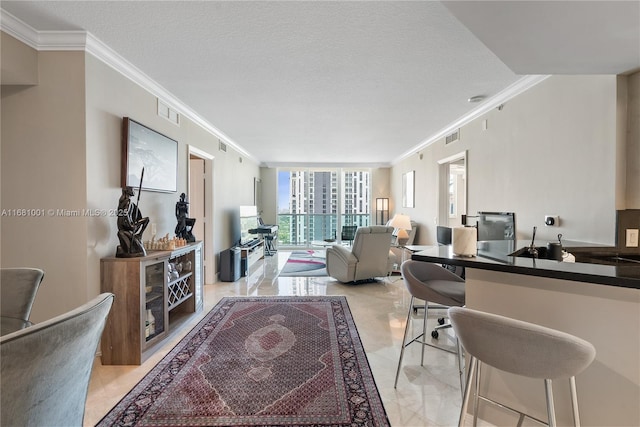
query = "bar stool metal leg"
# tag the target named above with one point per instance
(476, 397)
(574, 402)
(404, 342)
(551, 412)
(473, 362)
(424, 330)
(461, 365)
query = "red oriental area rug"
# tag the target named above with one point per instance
(261, 361)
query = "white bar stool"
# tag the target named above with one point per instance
(440, 289)
(520, 348)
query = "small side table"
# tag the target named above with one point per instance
(323, 243)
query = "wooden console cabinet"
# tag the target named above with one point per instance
(152, 294)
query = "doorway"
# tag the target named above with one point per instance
(452, 190)
(200, 196)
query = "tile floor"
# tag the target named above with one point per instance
(426, 395)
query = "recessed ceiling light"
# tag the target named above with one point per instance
(476, 98)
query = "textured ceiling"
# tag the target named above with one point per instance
(557, 37)
(301, 82)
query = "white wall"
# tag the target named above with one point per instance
(61, 145)
(550, 150)
(111, 96)
(269, 178)
(44, 169)
(633, 143)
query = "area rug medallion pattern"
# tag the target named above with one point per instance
(276, 361)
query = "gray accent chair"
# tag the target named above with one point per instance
(367, 258)
(521, 348)
(18, 288)
(46, 368)
(439, 288)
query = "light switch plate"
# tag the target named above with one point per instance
(632, 237)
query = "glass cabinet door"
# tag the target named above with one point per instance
(155, 304)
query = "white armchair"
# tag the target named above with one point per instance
(368, 257)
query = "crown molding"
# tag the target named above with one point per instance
(84, 41)
(18, 29)
(42, 40)
(325, 165)
(521, 85)
(87, 42)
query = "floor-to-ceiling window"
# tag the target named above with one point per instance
(355, 207)
(313, 204)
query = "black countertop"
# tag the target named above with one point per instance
(494, 255)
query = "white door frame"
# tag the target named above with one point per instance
(209, 259)
(443, 186)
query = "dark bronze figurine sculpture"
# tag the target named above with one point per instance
(185, 225)
(131, 225)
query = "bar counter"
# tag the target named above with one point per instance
(599, 303)
(494, 255)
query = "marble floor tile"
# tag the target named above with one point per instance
(426, 395)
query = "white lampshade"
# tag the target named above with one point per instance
(402, 223)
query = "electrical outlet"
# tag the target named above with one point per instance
(632, 237)
(552, 220)
(153, 229)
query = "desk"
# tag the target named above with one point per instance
(268, 233)
(11, 324)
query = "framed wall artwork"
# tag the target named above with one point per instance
(408, 191)
(143, 147)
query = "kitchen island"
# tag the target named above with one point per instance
(599, 303)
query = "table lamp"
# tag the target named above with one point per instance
(402, 223)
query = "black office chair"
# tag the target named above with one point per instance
(348, 233)
(443, 235)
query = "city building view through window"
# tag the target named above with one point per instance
(315, 205)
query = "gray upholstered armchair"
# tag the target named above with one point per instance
(46, 368)
(368, 257)
(18, 288)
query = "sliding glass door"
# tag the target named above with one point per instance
(313, 204)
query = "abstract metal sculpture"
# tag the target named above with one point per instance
(185, 225)
(131, 225)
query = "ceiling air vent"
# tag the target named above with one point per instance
(452, 137)
(222, 146)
